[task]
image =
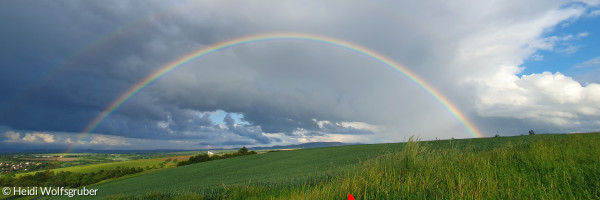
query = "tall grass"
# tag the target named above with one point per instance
(542, 169)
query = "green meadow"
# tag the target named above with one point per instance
(154, 162)
(551, 166)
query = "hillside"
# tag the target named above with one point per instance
(280, 168)
(502, 167)
(305, 145)
(152, 162)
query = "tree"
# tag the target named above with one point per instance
(7, 179)
(73, 180)
(531, 132)
(243, 151)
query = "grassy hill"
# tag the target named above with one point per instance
(113, 165)
(284, 168)
(539, 167)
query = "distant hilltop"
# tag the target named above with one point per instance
(306, 145)
(293, 146)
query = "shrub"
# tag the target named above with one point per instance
(243, 151)
(204, 157)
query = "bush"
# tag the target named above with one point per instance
(243, 151)
(204, 157)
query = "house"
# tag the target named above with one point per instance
(210, 153)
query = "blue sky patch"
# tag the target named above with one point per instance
(577, 42)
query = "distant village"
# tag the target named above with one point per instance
(19, 166)
(23, 166)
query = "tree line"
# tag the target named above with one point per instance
(204, 157)
(65, 178)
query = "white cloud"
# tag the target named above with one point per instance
(107, 140)
(558, 44)
(594, 62)
(487, 52)
(553, 102)
(333, 138)
(34, 137)
(44, 137)
(29, 138)
(570, 49)
(583, 34)
(549, 98)
(590, 2)
(358, 125)
(12, 136)
(70, 141)
(538, 57)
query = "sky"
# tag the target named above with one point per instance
(497, 67)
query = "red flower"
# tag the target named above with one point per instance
(350, 197)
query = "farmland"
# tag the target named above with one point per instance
(154, 162)
(28, 163)
(541, 166)
(88, 174)
(150, 163)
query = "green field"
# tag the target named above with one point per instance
(112, 165)
(277, 168)
(553, 166)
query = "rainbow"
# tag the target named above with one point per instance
(471, 128)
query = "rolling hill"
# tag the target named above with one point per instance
(540, 166)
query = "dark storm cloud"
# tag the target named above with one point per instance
(96, 56)
(279, 87)
(238, 142)
(54, 90)
(64, 62)
(185, 121)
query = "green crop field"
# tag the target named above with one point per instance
(112, 165)
(553, 166)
